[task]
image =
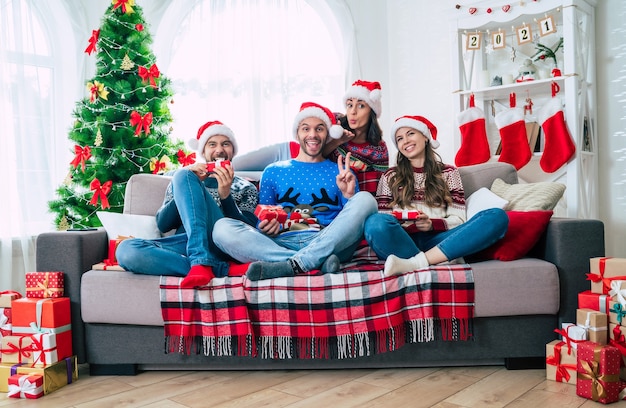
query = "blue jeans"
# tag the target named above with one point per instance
(386, 236)
(175, 255)
(308, 248)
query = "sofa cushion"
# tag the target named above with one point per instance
(483, 199)
(525, 229)
(523, 287)
(129, 225)
(542, 195)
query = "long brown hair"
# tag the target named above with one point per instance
(436, 192)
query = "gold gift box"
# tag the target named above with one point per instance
(55, 375)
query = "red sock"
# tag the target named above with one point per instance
(199, 275)
(237, 269)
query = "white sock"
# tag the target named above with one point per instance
(396, 266)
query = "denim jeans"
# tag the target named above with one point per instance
(386, 236)
(308, 248)
(175, 255)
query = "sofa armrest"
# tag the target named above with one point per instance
(569, 243)
(73, 253)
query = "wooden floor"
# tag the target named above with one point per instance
(456, 387)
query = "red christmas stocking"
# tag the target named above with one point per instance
(559, 147)
(512, 128)
(474, 144)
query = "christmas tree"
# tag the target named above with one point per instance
(123, 124)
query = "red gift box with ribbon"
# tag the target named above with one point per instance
(210, 167)
(595, 301)
(44, 284)
(406, 215)
(560, 362)
(270, 212)
(598, 372)
(51, 315)
(25, 386)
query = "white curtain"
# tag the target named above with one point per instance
(35, 64)
(250, 64)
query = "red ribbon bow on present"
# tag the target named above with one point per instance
(141, 122)
(81, 155)
(100, 192)
(606, 282)
(568, 340)
(11, 292)
(22, 351)
(127, 5)
(186, 159)
(37, 346)
(561, 369)
(92, 41)
(149, 74)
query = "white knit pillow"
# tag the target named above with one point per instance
(543, 195)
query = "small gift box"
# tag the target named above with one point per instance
(572, 334)
(210, 167)
(16, 349)
(5, 322)
(44, 284)
(25, 386)
(596, 324)
(7, 296)
(44, 348)
(617, 313)
(51, 316)
(617, 336)
(598, 372)
(404, 215)
(270, 212)
(113, 244)
(593, 301)
(107, 266)
(55, 376)
(603, 271)
(560, 362)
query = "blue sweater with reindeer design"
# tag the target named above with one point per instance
(306, 188)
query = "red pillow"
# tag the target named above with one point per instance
(525, 229)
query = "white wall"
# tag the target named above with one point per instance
(405, 45)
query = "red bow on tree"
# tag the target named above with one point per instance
(186, 159)
(150, 74)
(142, 122)
(81, 155)
(100, 192)
(92, 41)
(125, 4)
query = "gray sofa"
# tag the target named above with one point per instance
(118, 328)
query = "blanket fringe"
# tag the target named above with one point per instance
(211, 346)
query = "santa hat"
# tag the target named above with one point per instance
(366, 91)
(314, 110)
(207, 131)
(418, 123)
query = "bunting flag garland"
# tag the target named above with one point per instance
(149, 74)
(185, 159)
(101, 191)
(82, 154)
(92, 41)
(142, 122)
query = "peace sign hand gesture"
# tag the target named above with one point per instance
(346, 180)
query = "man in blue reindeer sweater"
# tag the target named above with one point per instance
(327, 191)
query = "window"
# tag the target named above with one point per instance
(250, 64)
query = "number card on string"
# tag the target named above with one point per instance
(473, 41)
(546, 26)
(524, 34)
(498, 40)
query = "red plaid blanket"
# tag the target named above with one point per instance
(356, 313)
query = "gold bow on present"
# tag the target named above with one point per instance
(592, 373)
(48, 292)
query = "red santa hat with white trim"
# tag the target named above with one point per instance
(207, 131)
(314, 110)
(370, 92)
(418, 123)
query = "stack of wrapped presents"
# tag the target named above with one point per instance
(591, 352)
(36, 338)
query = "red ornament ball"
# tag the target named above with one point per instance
(139, 27)
(489, 10)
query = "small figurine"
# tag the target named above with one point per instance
(527, 71)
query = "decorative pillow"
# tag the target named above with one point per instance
(129, 225)
(483, 199)
(525, 229)
(543, 195)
